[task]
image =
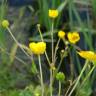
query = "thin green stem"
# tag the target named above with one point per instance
(88, 75)
(38, 26)
(85, 66)
(41, 76)
(17, 42)
(52, 38)
(70, 87)
(86, 78)
(71, 64)
(51, 79)
(17, 58)
(43, 41)
(47, 58)
(59, 65)
(51, 72)
(56, 48)
(59, 92)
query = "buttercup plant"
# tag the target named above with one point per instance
(39, 48)
(89, 56)
(52, 14)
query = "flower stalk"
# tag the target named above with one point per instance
(86, 78)
(51, 72)
(17, 42)
(38, 26)
(51, 82)
(41, 75)
(85, 66)
(59, 92)
(52, 38)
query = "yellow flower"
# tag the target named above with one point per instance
(87, 55)
(61, 34)
(38, 48)
(5, 23)
(73, 37)
(53, 13)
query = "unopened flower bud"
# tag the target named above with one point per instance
(60, 76)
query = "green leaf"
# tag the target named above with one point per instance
(62, 6)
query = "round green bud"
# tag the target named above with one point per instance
(60, 76)
(5, 23)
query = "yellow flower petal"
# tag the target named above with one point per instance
(87, 55)
(53, 13)
(73, 37)
(61, 34)
(38, 48)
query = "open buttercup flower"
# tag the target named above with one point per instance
(53, 13)
(90, 55)
(37, 48)
(5, 23)
(73, 37)
(61, 34)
